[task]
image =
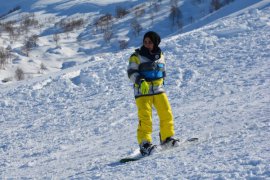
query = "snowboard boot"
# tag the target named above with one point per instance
(170, 142)
(147, 148)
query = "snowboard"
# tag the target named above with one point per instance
(136, 155)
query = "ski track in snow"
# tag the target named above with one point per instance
(78, 123)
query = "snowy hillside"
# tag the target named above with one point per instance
(40, 37)
(78, 122)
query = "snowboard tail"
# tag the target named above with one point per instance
(125, 160)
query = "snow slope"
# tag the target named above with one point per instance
(78, 122)
(84, 42)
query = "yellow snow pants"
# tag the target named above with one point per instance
(162, 105)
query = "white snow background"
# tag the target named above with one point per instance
(76, 123)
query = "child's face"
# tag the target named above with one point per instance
(148, 44)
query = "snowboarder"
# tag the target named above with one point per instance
(146, 69)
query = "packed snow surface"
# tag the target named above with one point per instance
(78, 122)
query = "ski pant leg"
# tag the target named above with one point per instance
(144, 131)
(164, 111)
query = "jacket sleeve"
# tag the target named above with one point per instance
(163, 60)
(133, 69)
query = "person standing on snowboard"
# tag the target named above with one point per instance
(146, 69)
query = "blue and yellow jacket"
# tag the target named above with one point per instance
(150, 67)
